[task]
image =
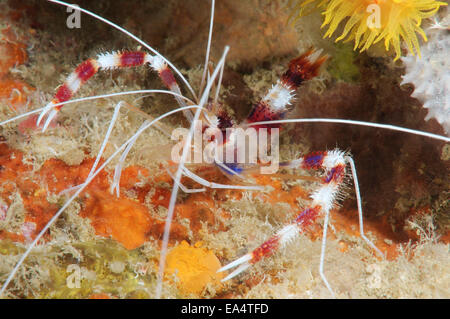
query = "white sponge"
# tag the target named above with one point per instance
(430, 73)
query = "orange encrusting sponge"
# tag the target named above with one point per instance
(125, 220)
(194, 267)
(12, 53)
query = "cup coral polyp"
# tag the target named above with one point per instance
(370, 21)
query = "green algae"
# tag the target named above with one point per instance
(342, 66)
(97, 267)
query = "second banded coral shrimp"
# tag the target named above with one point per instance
(336, 164)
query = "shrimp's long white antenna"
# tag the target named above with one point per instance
(18, 117)
(128, 33)
(208, 47)
(84, 185)
(95, 97)
(118, 169)
(177, 180)
(108, 133)
(216, 97)
(352, 122)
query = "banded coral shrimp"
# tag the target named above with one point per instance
(258, 236)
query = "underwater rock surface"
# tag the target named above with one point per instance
(112, 244)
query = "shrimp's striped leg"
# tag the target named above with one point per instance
(323, 199)
(275, 104)
(106, 61)
(334, 163)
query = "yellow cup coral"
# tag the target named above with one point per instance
(370, 21)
